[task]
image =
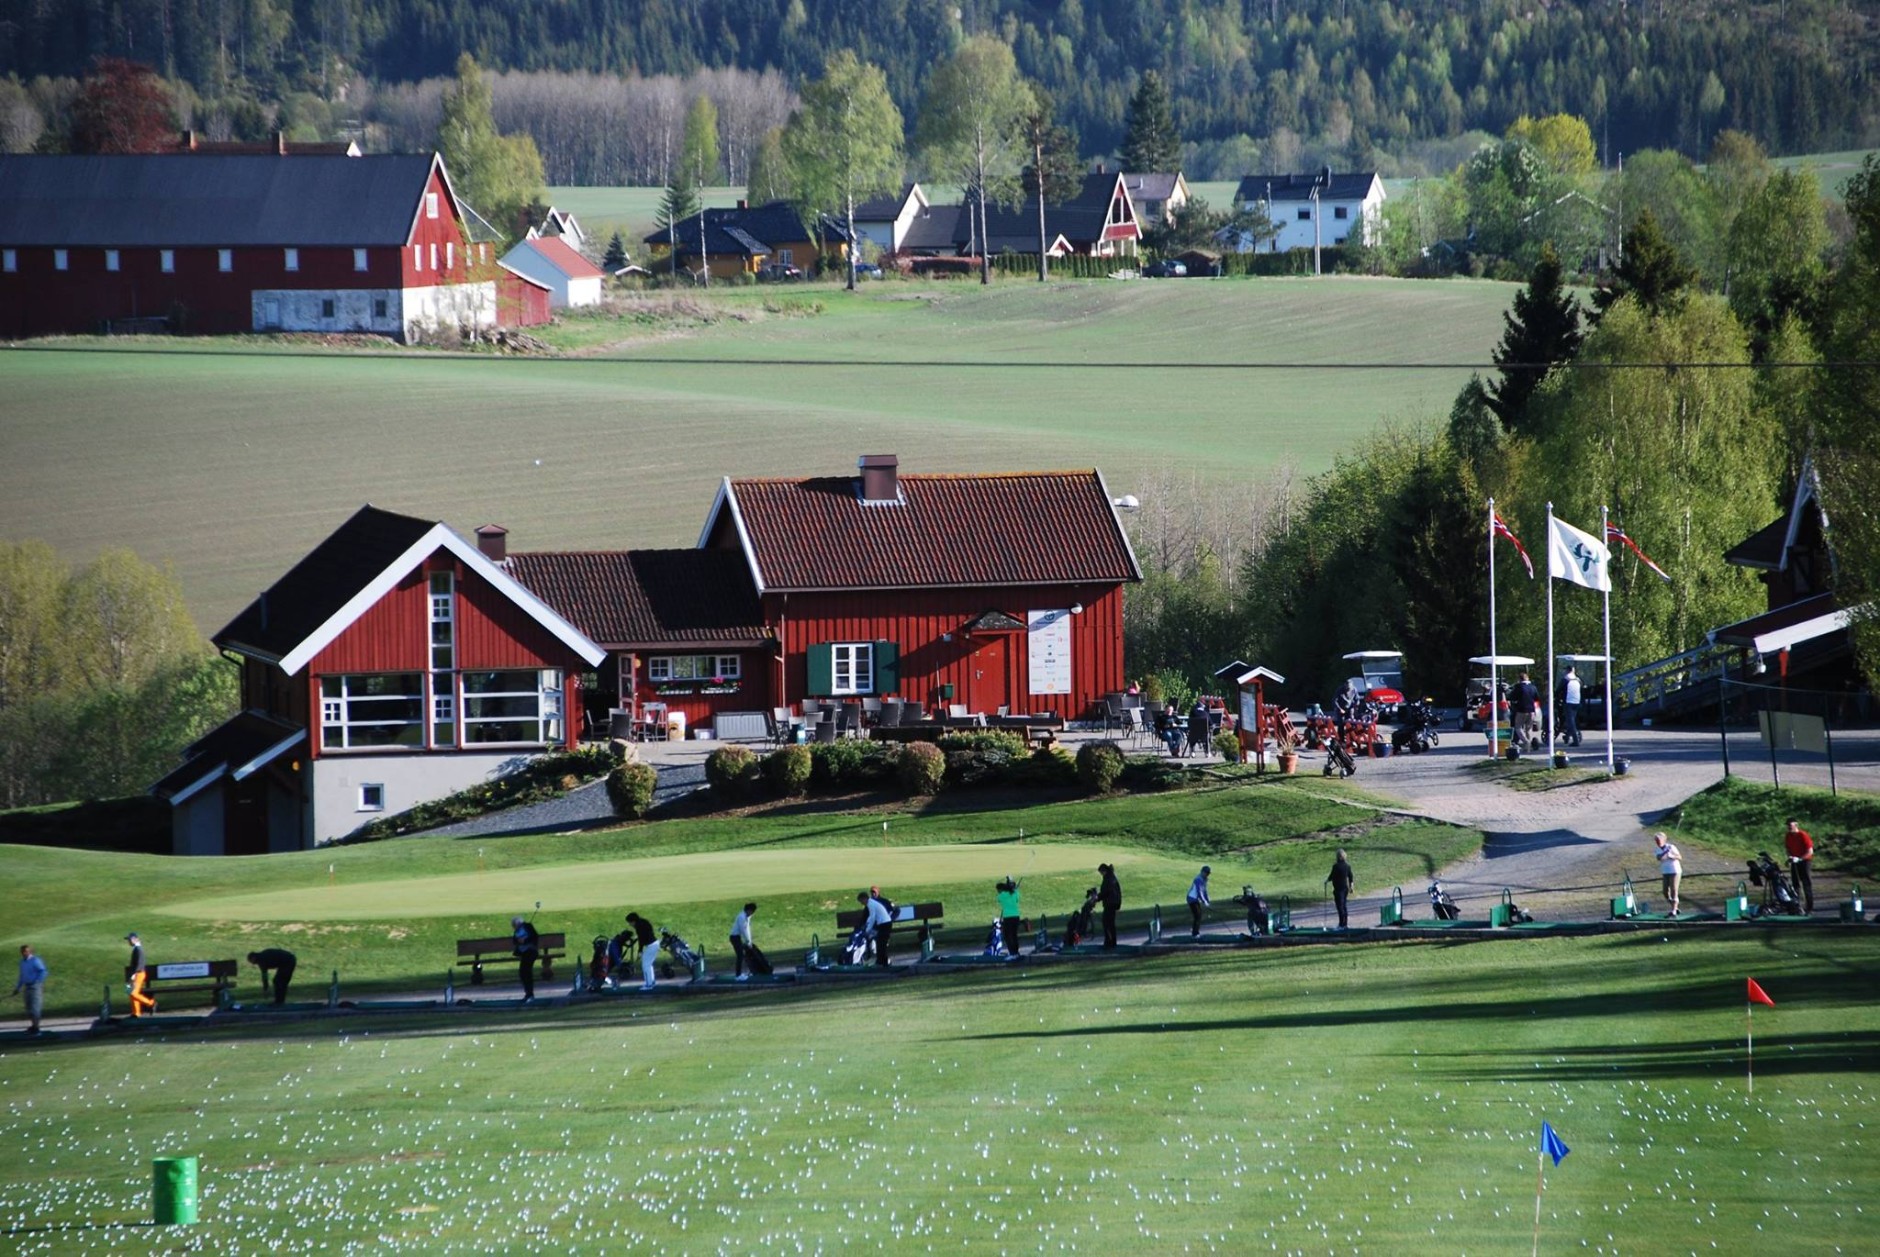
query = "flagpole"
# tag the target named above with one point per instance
(1550, 657)
(1605, 523)
(1540, 1172)
(1749, 1022)
(1494, 673)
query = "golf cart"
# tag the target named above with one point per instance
(1475, 712)
(1381, 679)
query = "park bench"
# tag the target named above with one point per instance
(500, 950)
(179, 977)
(930, 915)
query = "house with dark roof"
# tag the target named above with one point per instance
(743, 239)
(1099, 221)
(394, 664)
(1000, 592)
(883, 221)
(1157, 195)
(572, 280)
(1322, 209)
(217, 243)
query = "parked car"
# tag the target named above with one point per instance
(867, 270)
(1167, 268)
(778, 273)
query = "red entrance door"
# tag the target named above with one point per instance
(989, 690)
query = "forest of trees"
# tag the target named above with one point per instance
(1249, 79)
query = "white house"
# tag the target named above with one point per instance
(1318, 209)
(558, 222)
(572, 279)
(1158, 197)
(884, 221)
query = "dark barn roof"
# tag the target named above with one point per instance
(751, 230)
(323, 582)
(210, 200)
(647, 597)
(1020, 528)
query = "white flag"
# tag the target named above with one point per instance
(1578, 556)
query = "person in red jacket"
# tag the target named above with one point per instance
(1801, 859)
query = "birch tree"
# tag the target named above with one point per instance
(972, 126)
(844, 143)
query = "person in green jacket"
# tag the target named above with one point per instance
(1008, 913)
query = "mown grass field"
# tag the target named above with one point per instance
(1334, 1099)
(387, 915)
(229, 465)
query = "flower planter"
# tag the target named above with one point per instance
(1289, 762)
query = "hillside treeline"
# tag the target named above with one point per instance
(1686, 409)
(1359, 79)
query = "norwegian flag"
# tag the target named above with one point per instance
(1502, 530)
(1614, 533)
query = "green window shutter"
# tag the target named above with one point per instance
(822, 672)
(887, 668)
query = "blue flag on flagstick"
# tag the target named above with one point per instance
(1551, 1145)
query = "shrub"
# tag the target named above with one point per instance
(1047, 766)
(846, 764)
(1099, 764)
(1146, 774)
(787, 770)
(730, 771)
(1227, 746)
(920, 767)
(1012, 744)
(981, 758)
(630, 786)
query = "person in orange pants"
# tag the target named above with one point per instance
(141, 1004)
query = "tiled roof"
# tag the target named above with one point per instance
(1022, 528)
(1151, 185)
(884, 208)
(228, 748)
(647, 597)
(323, 582)
(213, 201)
(1354, 186)
(763, 226)
(559, 254)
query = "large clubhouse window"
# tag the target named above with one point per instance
(512, 707)
(852, 668)
(376, 709)
(663, 668)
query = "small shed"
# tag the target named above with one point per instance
(572, 280)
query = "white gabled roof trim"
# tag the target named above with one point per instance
(439, 537)
(199, 785)
(727, 498)
(1116, 519)
(268, 756)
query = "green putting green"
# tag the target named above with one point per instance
(677, 879)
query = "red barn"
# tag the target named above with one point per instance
(238, 243)
(393, 665)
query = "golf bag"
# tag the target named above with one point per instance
(1077, 929)
(675, 950)
(855, 951)
(1778, 896)
(1440, 903)
(756, 962)
(1259, 922)
(1416, 730)
(995, 939)
(1338, 759)
(597, 964)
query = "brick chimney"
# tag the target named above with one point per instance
(881, 477)
(493, 541)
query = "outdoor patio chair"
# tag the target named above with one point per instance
(1133, 725)
(891, 709)
(826, 728)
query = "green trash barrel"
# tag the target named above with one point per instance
(173, 1201)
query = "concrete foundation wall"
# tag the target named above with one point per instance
(304, 310)
(450, 305)
(408, 780)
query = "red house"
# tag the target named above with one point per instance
(240, 243)
(393, 665)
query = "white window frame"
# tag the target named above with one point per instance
(856, 662)
(359, 259)
(668, 669)
(371, 796)
(417, 257)
(545, 689)
(430, 205)
(225, 260)
(61, 260)
(443, 595)
(450, 254)
(338, 717)
(434, 255)
(166, 261)
(290, 258)
(9, 260)
(112, 259)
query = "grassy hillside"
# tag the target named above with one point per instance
(231, 464)
(1356, 1098)
(386, 915)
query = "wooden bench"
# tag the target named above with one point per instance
(930, 915)
(179, 977)
(500, 950)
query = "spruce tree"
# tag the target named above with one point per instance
(1150, 141)
(1543, 331)
(678, 204)
(616, 256)
(1650, 269)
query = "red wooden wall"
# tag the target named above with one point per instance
(918, 621)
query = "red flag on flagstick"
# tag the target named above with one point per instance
(1502, 530)
(1759, 996)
